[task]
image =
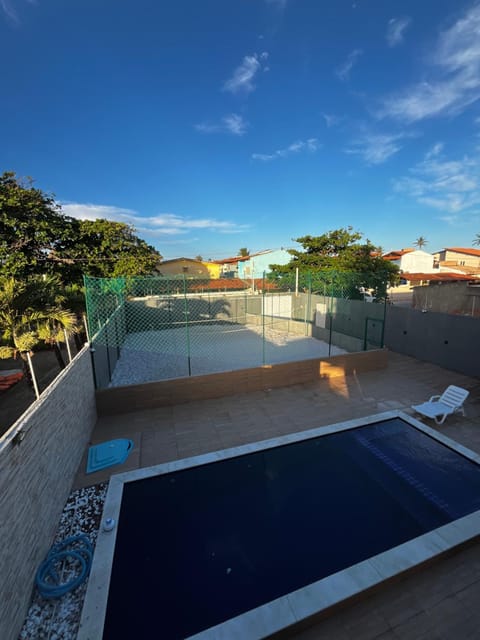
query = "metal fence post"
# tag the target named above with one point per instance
(308, 305)
(187, 328)
(382, 339)
(331, 320)
(263, 319)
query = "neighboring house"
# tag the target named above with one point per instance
(458, 257)
(396, 256)
(411, 260)
(259, 263)
(214, 269)
(229, 266)
(183, 266)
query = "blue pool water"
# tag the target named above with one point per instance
(199, 546)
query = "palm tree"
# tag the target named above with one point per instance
(420, 242)
(30, 311)
(56, 327)
(477, 240)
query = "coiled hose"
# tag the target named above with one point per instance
(77, 548)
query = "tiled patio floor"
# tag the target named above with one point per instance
(439, 601)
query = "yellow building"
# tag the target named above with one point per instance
(214, 269)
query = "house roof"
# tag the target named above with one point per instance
(214, 284)
(467, 250)
(179, 260)
(435, 277)
(243, 258)
(463, 268)
(395, 255)
(232, 284)
(232, 260)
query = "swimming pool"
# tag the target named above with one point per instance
(254, 539)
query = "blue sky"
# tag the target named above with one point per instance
(214, 125)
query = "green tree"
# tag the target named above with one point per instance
(243, 252)
(341, 252)
(27, 309)
(36, 238)
(105, 249)
(420, 242)
(477, 240)
(31, 228)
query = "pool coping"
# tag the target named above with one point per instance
(303, 603)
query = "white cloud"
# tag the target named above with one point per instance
(376, 148)
(182, 224)
(343, 72)
(243, 76)
(435, 151)
(9, 10)
(96, 211)
(311, 145)
(453, 79)
(161, 224)
(232, 123)
(452, 186)
(331, 120)
(395, 30)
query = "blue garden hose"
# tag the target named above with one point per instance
(77, 548)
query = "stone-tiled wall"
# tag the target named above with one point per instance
(36, 476)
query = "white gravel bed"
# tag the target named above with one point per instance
(59, 619)
(161, 355)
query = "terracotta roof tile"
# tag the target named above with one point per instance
(229, 284)
(467, 250)
(435, 277)
(221, 284)
(395, 255)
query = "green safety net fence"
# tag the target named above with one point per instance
(155, 328)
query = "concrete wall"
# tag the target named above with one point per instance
(448, 297)
(353, 325)
(447, 340)
(171, 392)
(156, 313)
(36, 476)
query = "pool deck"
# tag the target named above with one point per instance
(435, 602)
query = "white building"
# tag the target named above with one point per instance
(411, 260)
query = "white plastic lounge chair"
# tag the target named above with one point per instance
(439, 407)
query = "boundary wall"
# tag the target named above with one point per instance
(39, 457)
(216, 385)
(450, 341)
